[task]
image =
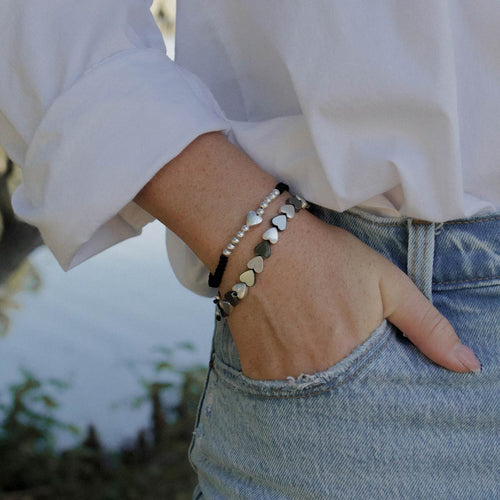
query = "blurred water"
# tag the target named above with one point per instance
(84, 326)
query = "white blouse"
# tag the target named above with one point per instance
(392, 105)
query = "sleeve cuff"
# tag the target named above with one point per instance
(101, 141)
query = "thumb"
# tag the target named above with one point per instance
(409, 310)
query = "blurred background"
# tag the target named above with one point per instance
(100, 368)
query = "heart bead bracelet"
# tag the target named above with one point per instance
(254, 218)
(227, 302)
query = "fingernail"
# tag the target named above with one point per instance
(467, 358)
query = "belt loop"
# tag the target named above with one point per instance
(421, 254)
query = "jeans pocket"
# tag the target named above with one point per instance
(308, 384)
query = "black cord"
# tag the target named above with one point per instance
(215, 279)
(282, 187)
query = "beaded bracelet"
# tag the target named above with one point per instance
(254, 217)
(262, 251)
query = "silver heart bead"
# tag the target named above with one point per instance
(231, 297)
(253, 219)
(304, 202)
(271, 235)
(279, 221)
(241, 290)
(225, 308)
(297, 204)
(288, 210)
(248, 277)
(257, 264)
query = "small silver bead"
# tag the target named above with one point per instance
(259, 211)
(245, 228)
(230, 247)
(302, 200)
(235, 241)
(240, 234)
(276, 192)
(264, 204)
(268, 199)
(226, 252)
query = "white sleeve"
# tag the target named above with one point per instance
(91, 108)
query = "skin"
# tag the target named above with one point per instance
(322, 291)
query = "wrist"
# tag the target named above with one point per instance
(239, 258)
(255, 264)
(204, 194)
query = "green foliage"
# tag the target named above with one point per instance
(27, 432)
(152, 466)
(17, 240)
(24, 278)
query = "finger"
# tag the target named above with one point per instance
(408, 309)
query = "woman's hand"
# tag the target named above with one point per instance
(321, 294)
(322, 291)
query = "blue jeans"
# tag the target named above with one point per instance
(385, 422)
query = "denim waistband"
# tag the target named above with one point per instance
(459, 253)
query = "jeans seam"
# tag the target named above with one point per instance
(391, 224)
(413, 262)
(465, 281)
(403, 222)
(317, 209)
(473, 221)
(422, 282)
(192, 444)
(450, 223)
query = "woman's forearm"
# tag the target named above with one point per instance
(204, 194)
